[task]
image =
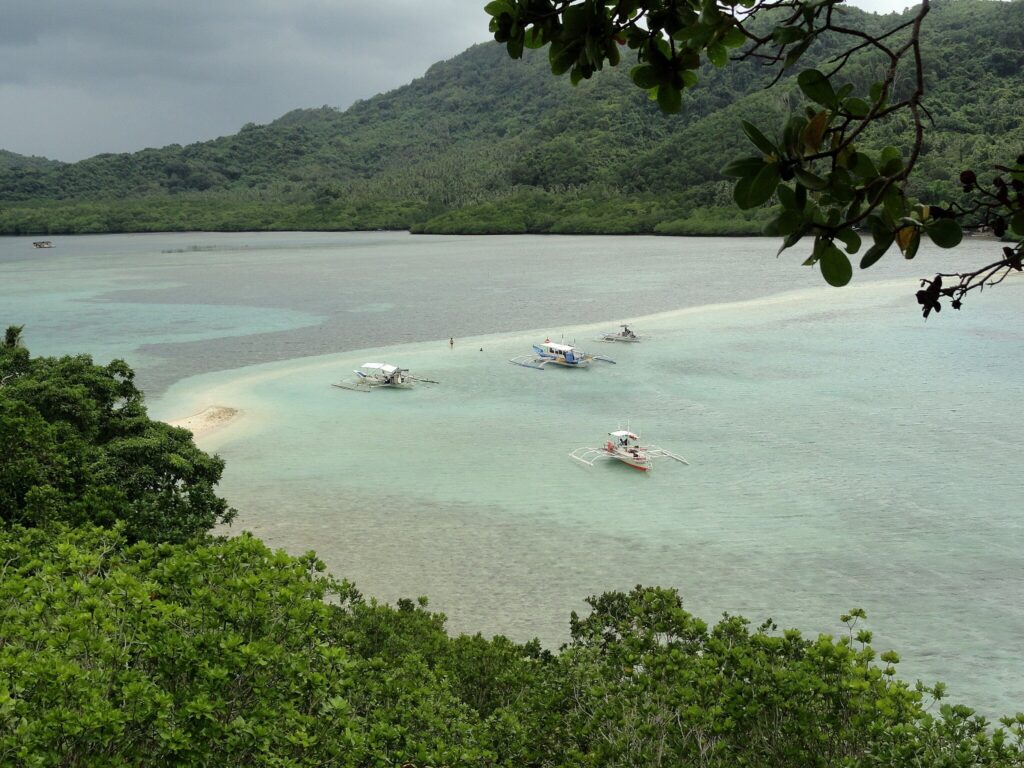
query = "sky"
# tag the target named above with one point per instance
(82, 77)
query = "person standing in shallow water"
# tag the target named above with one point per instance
(451, 342)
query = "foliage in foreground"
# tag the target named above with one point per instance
(227, 653)
(78, 447)
(818, 162)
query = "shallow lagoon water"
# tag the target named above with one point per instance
(843, 453)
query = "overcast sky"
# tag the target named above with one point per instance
(80, 77)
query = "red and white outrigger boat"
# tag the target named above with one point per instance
(624, 446)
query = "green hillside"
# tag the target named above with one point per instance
(482, 143)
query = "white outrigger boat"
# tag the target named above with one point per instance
(626, 334)
(624, 446)
(373, 375)
(550, 353)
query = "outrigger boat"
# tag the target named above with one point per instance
(373, 375)
(626, 334)
(624, 446)
(550, 353)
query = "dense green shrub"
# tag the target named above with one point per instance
(78, 447)
(226, 653)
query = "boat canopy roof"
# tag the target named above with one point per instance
(558, 347)
(386, 367)
(624, 433)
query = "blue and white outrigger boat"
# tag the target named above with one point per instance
(550, 353)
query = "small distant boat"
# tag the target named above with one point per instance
(550, 353)
(42, 244)
(624, 446)
(373, 375)
(626, 334)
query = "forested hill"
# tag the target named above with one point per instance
(482, 143)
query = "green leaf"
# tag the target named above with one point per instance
(892, 161)
(689, 78)
(561, 57)
(748, 166)
(890, 153)
(644, 76)
(786, 35)
(945, 233)
(670, 99)
(718, 55)
(820, 244)
(792, 134)
(787, 197)
(498, 7)
(910, 251)
(894, 203)
(876, 251)
(892, 168)
(786, 223)
(864, 167)
(815, 131)
(575, 20)
(1017, 223)
(796, 52)
(790, 241)
(612, 52)
(734, 38)
(810, 180)
(751, 192)
(534, 38)
(835, 267)
(908, 239)
(850, 239)
(879, 230)
(817, 87)
(759, 139)
(857, 107)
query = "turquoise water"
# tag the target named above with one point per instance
(843, 452)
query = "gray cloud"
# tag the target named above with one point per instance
(80, 77)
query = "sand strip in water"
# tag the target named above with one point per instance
(206, 421)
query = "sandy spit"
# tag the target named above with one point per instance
(207, 420)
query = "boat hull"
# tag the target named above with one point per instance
(636, 461)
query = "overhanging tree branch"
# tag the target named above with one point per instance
(828, 187)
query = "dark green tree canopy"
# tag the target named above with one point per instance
(226, 653)
(79, 447)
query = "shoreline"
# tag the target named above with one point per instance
(217, 419)
(208, 420)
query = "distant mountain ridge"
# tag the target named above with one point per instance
(482, 143)
(13, 160)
